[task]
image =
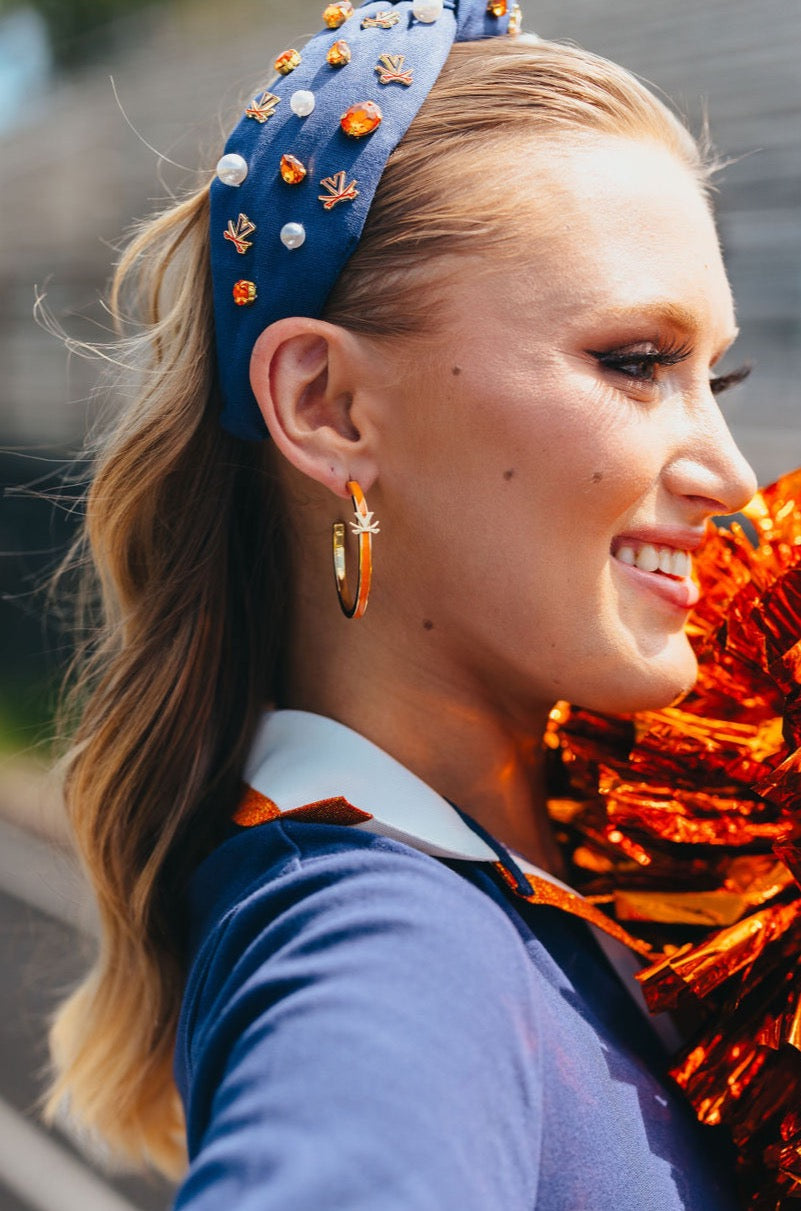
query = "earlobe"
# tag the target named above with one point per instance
(304, 374)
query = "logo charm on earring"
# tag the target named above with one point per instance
(364, 523)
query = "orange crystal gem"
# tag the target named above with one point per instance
(337, 14)
(292, 170)
(287, 62)
(244, 293)
(339, 54)
(497, 8)
(361, 119)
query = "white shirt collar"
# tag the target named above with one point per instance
(298, 757)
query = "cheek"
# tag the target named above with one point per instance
(524, 475)
(585, 462)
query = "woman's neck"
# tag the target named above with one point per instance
(492, 767)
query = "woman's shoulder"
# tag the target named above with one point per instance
(299, 876)
(336, 907)
(319, 932)
(348, 989)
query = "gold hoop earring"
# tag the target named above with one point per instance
(365, 527)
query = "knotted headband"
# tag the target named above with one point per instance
(301, 168)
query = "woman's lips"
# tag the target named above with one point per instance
(683, 593)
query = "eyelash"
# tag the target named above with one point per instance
(722, 382)
(670, 355)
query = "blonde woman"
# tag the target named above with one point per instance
(450, 310)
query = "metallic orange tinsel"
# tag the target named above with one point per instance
(686, 824)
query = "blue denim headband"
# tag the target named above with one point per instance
(300, 169)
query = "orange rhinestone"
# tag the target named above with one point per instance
(337, 14)
(287, 62)
(339, 54)
(497, 8)
(244, 293)
(292, 170)
(361, 119)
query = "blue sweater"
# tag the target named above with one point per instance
(368, 1028)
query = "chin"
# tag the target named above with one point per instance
(645, 684)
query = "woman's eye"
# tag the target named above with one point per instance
(640, 366)
(643, 367)
(640, 369)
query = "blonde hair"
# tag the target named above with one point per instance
(187, 563)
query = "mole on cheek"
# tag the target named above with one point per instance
(508, 474)
(428, 624)
(597, 476)
(456, 370)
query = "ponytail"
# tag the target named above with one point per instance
(187, 566)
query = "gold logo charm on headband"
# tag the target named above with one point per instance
(383, 20)
(391, 70)
(263, 107)
(237, 234)
(338, 191)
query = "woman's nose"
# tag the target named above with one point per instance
(710, 467)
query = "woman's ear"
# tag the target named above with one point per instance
(306, 375)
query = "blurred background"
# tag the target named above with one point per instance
(106, 108)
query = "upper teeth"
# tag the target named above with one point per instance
(655, 559)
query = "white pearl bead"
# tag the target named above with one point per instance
(427, 11)
(293, 235)
(302, 103)
(232, 169)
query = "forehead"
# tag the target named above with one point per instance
(615, 225)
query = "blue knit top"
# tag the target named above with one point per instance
(368, 1026)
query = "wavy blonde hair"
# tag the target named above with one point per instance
(185, 559)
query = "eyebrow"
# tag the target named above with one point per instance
(666, 312)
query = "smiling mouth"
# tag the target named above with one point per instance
(661, 560)
(662, 569)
